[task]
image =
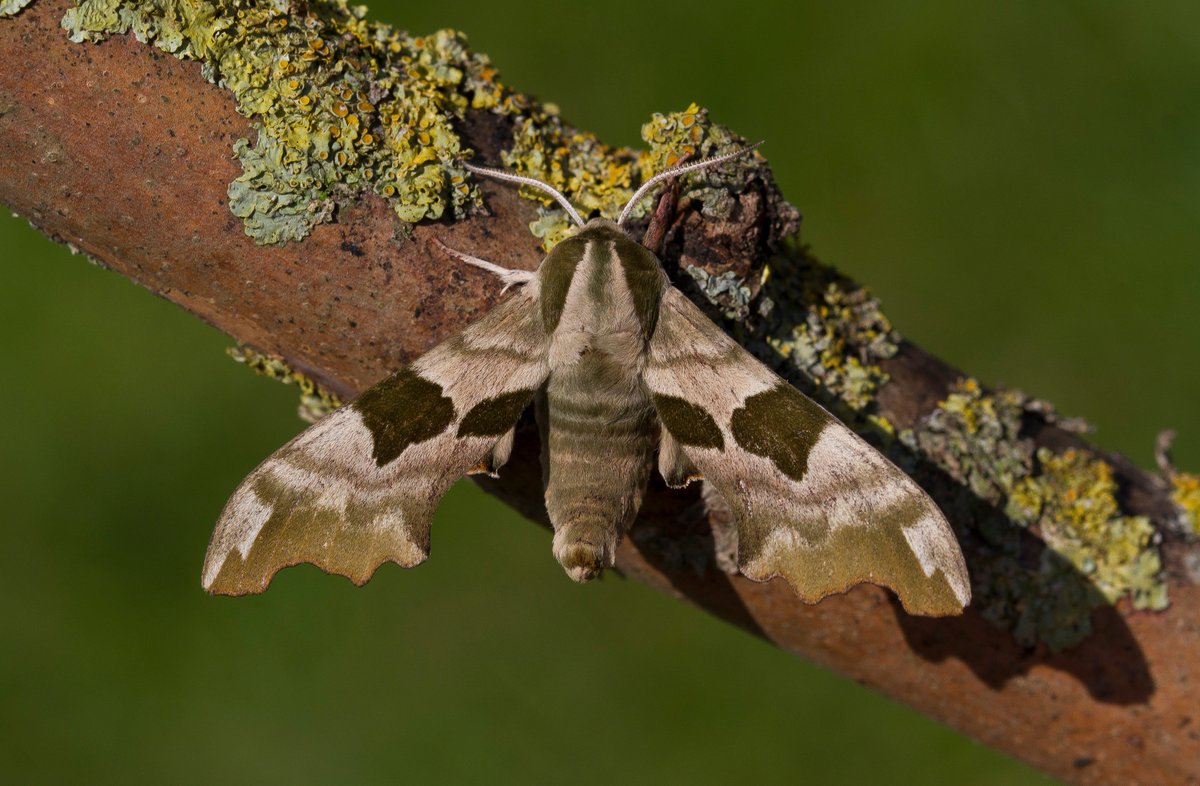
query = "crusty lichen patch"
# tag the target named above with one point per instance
(595, 177)
(977, 439)
(829, 329)
(315, 401)
(1185, 493)
(10, 7)
(1072, 502)
(1094, 553)
(343, 105)
(691, 135)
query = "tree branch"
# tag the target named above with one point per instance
(125, 152)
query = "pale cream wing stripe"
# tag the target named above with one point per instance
(359, 487)
(814, 503)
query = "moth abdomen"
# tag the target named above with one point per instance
(599, 432)
(586, 543)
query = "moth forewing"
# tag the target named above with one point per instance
(359, 487)
(813, 502)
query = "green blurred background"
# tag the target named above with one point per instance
(1019, 181)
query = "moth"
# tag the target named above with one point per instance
(626, 374)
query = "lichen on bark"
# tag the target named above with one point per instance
(344, 105)
(1091, 552)
(1185, 493)
(315, 401)
(830, 333)
(10, 7)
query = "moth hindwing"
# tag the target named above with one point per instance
(622, 367)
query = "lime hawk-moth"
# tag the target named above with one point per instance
(625, 373)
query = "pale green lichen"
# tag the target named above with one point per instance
(1185, 493)
(10, 7)
(1093, 553)
(977, 439)
(266, 199)
(726, 290)
(828, 328)
(343, 105)
(315, 401)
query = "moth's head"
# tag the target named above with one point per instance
(645, 188)
(600, 228)
(601, 223)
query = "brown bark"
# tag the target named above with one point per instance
(124, 152)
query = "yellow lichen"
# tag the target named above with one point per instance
(599, 179)
(976, 437)
(691, 135)
(1073, 503)
(595, 177)
(1093, 553)
(1185, 493)
(315, 401)
(828, 328)
(344, 105)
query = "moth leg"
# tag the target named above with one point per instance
(509, 277)
(496, 458)
(676, 469)
(664, 212)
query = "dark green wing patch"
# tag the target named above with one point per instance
(643, 275)
(780, 424)
(688, 423)
(556, 274)
(494, 416)
(403, 410)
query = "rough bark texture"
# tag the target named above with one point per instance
(124, 152)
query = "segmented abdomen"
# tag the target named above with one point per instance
(599, 432)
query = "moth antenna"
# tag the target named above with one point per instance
(666, 174)
(500, 174)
